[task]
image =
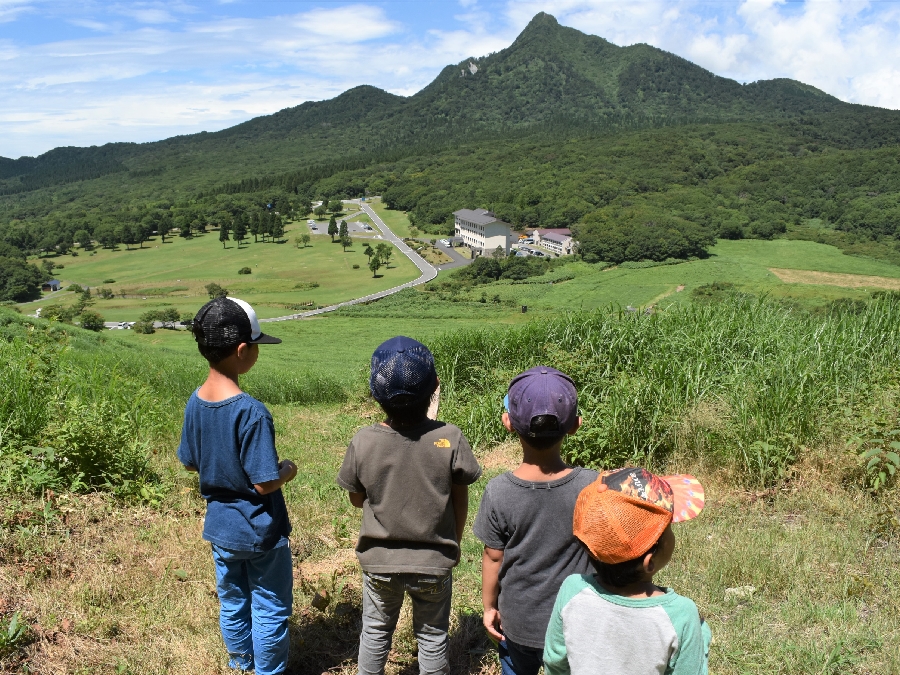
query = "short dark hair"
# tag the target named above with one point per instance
(405, 410)
(541, 424)
(216, 354)
(622, 574)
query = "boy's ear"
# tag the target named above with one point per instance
(575, 426)
(507, 423)
(242, 350)
(649, 564)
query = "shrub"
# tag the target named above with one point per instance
(216, 291)
(106, 293)
(91, 320)
(356, 267)
(145, 327)
(76, 288)
(57, 313)
(109, 281)
(245, 270)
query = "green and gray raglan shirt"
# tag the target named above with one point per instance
(594, 631)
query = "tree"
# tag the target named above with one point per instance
(335, 206)
(375, 264)
(223, 233)
(343, 231)
(277, 230)
(83, 238)
(215, 291)
(385, 251)
(19, 281)
(186, 318)
(91, 320)
(498, 253)
(332, 228)
(169, 315)
(346, 242)
(320, 211)
(165, 224)
(48, 266)
(240, 229)
(368, 250)
(305, 238)
(255, 228)
(129, 235)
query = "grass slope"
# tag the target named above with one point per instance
(184, 266)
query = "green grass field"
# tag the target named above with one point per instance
(280, 279)
(743, 263)
(397, 221)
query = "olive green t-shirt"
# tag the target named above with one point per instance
(408, 521)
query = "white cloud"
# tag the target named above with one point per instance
(154, 69)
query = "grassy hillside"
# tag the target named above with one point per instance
(284, 278)
(117, 579)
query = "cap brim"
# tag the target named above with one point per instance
(688, 497)
(264, 339)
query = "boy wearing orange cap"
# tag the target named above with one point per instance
(617, 620)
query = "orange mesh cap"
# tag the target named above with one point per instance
(622, 514)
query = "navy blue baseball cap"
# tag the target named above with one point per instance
(402, 367)
(542, 391)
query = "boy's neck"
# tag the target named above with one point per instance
(221, 384)
(639, 590)
(541, 465)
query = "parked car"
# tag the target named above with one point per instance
(540, 254)
(444, 242)
(528, 241)
(521, 254)
(310, 222)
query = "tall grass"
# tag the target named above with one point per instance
(80, 412)
(745, 381)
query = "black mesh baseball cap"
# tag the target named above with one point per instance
(403, 372)
(227, 322)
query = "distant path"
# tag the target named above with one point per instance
(428, 272)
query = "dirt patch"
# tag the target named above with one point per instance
(506, 456)
(835, 279)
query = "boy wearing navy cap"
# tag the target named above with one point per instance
(228, 438)
(410, 476)
(525, 520)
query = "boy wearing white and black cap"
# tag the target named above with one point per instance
(228, 438)
(410, 476)
(525, 520)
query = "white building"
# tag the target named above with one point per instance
(559, 240)
(481, 231)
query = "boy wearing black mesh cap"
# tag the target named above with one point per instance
(229, 439)
(410, 476)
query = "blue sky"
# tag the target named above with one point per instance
(87, 73)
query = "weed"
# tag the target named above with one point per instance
(14, 635)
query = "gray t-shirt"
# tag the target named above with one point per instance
(532, 523)
(408, 521)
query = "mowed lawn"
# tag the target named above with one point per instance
(176, 272)
(397, 221)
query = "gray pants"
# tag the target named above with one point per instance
(382, 599)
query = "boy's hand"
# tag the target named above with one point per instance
(290, 467)
(493, 624)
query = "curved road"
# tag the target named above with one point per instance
(428, 272)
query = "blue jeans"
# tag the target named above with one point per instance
(382, 598)
(516, 659)
(255, 600)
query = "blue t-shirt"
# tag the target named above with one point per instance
(232, 445)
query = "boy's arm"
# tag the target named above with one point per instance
(357, 499)
(287, 471)
(556, 657)
(491, 561)
(459, 497)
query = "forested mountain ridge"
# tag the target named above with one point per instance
(550, 72)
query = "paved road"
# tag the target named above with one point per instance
(458, 260)
(428, 272)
